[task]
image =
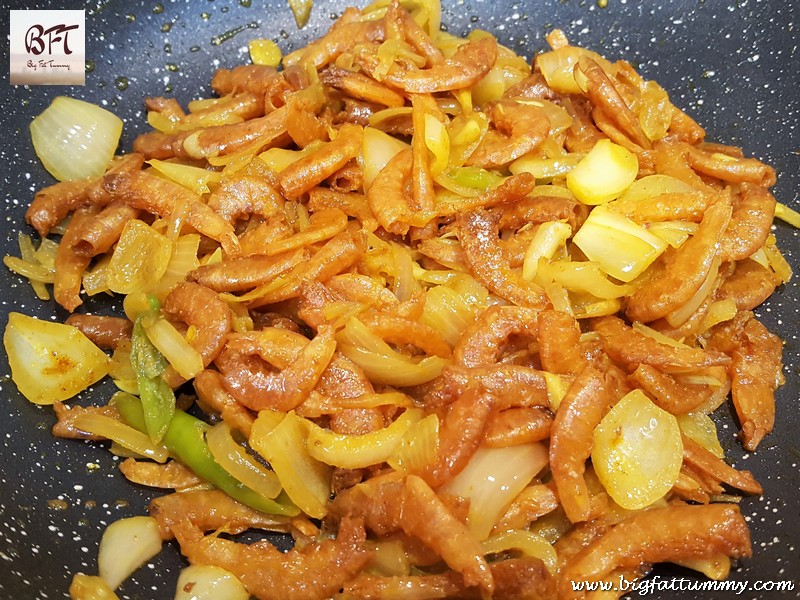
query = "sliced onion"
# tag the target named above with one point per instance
(376, 118)
(192, 178)
(682, 314)
(183, 260)
(675, 233)
(38, 265)
(468, 181)
(438, 143)
(94, 279)
(587, 307)
(559, 298)
(719, 312)
(419, 447)
(377, 149)
(51, 361)
(552, 190)
(466, 134)
(760, 256)
(359, 451)
(491, 87)
(278, 159)
(526, 542)
(36, 273)
(558, 67)
(701, 428)
(787, 215)
(381, 362)
(140, 258)
(492, 479)
(621, 247)
(657, 335)
(306, 480)
(301, 9)
(447, 312)
(235, 460)
(404, 283)
(265, 52)
(207, 582)
(777, 261)
(637, 451)
(651, 186)
(125, 546)
(388, 558)
(75, 139)
(559, 118)
(124, 435)
(90, 587)
(546, 168)
(171, 343)
(581, 276)
(603, 174)
(557, 386)
(547, 239)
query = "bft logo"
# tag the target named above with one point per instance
(37, 35)
(48, 47)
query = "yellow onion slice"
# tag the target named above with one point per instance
(358, 451)
(492, 478)
(281, 439)
(125, 546)
(207, 582)
(140, 259)
(49, 361)
(637, 451)
(75, 139)
(236, 461)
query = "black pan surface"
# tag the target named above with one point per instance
(732, 64)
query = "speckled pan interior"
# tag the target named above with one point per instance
(732, 64)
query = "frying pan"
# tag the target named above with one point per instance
(730, 64)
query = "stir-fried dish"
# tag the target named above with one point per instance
(453, 320)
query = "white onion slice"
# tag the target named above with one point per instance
(492, 479)
(75, 139)
(206, 582)
(125, 546)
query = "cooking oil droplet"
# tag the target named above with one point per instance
(166, 27)
(219, 39)
(173, 67)
(168, 48)
(205, 16)
(602, 3)
(98, 7)
(89, 66)
(130, 18)
(246, 3)
(121, 83)
(194, 49)
(158, 9)
(168, 88)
